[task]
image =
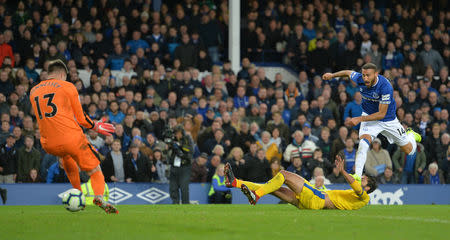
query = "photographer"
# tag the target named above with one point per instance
(181, 150)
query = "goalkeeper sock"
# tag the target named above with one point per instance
(271, 186)
(72, 171)
(98, 183)
(252, 186)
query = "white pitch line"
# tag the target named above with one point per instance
(434, 220)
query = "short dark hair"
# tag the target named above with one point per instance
(56, 66)
(372, 183)
(369, 66)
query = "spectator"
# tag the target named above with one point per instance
(114, 114)
(305, 147)
(113, 165)
(219, 193)
(136, 43)
(377, 159)
(137, 166)
(320, 183)
(433, 175)
(47, 161)
(318, 172)
(209, 32)
(8, 161)
(325, 142)
(33, 177)
(410, 168)
(319, 161)
(30, 70)
(257, 169)
(186, 53)
(432, 144)
(237, 161)
(388, 177)
(430, 57)
(204, 62)
(6, 85)
(349, 154)
(214, 161)
(392, 58)
(95, 140)
(5, 51)
(321, 110)
(270, 147)
(56, 173)
(308, 135)
(338, 143)
(116, 60)
(199, 172)
(353, 109)
(335, 176)
(107, 147)
(278, 123)
(296, 165)
(28, 158)
(162, 166)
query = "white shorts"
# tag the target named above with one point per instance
(392, 130)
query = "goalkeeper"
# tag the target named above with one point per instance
(59, 115)
(302, 194)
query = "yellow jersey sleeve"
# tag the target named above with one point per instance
(348, 199)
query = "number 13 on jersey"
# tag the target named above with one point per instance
(49, 103)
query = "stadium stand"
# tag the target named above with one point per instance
(150, 64)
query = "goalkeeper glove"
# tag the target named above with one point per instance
(104, 128)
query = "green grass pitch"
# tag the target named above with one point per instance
(225, 222)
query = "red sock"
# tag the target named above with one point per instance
(72, 172)
(98, 183)
(234, 183)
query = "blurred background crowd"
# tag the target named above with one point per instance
(147, 65)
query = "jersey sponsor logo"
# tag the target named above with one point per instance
(370, 99)
(386, 198)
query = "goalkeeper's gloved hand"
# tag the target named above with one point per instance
(104, 128)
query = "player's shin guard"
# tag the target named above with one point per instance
(72, 171)
(361, 156)
(412, 140)
(98, 183)
(271, 186)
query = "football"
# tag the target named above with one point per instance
(74, 200)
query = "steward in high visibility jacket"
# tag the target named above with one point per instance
(219, 193)
(88, 192)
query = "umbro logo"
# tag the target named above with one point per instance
(153, 195)
(117, 195)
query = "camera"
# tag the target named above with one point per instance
(169, 136)
(172, 141)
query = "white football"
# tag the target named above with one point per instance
(74, 200)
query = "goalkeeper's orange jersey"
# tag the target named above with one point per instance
(350, 199)
(58, 111)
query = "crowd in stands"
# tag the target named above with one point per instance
(153, 64)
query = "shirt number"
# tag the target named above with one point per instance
(401, 131)
(49, 97)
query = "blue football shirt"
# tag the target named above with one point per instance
(381, 92)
